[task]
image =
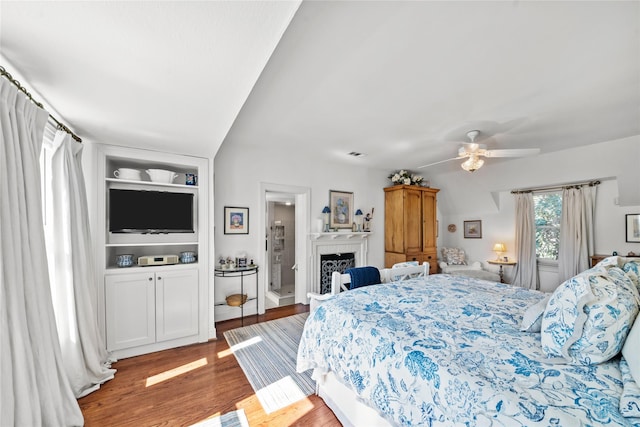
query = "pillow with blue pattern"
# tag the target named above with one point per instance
(532, 318)
(589, 316)
(630, 398)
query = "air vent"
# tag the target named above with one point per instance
(356, 154)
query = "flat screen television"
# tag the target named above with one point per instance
(141, 211)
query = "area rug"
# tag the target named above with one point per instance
(267, 354)
(230, 419)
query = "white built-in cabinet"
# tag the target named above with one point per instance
(145, 308)
(151, 308)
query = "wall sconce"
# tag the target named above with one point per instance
(325, 212)
(359, 219)
(499, 249)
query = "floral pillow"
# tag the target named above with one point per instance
(453, 256)
(532, 318)
(630, 398)
(589, 316)
(632, 268)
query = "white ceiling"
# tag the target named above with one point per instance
(401, 82)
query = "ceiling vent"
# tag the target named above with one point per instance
(356, 154)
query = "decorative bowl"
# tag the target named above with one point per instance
(161, 175)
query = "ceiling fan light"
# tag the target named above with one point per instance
(472, 164)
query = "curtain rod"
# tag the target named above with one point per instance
(60, 125)
(557, 187)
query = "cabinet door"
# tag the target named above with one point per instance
(176, 304)
(428, 221)
(412, 220)
(394, 220)
(130, 310)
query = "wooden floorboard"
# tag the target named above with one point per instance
(215, 385)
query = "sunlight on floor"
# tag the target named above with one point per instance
(299, 410)
(238, 346)
(279, 394)
(176, 371)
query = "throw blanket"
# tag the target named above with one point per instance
(363, 276)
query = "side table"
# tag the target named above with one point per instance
(241, 273)
(501, 264)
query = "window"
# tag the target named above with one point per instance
(548, 212)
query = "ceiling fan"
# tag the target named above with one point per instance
(473, 153)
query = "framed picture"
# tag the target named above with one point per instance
(473, 229)
(633, 228)
(341, 205)
(236, 220)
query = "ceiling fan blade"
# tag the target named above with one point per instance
(441, 161)
(516, 152)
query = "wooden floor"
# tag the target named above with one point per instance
(216, 385)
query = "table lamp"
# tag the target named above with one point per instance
(499, 248)
(359, 219)
(325, 212)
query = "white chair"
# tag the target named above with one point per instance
(340, 281)
(407, 270)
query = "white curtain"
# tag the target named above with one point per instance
(576, 231)
(34, 389)
(526, 270)
(71, 266)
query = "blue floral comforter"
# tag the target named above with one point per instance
(447, 350)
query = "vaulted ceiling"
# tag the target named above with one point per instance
(401, 82)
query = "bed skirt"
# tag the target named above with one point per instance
(344, 404)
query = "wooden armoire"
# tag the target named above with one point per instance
(410, 225)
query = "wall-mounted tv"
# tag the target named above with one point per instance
(141, 211)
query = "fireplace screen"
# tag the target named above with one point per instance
(333, 262)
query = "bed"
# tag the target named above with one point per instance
(448, 350)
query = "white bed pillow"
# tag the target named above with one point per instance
(532, 318)
(589, 316)
(631, 350)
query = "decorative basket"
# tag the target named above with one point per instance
(236, 300)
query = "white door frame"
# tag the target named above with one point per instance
(303, 200)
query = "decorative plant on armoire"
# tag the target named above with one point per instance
(404, 177)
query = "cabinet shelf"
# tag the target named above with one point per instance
(149, 268)
(120, 245)
(149, 183)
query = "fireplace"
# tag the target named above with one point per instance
(333, 262)
(344, 243)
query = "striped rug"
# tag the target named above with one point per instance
(267, 354)
(230, 419)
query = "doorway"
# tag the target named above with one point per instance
(285, 227)
(281, 247)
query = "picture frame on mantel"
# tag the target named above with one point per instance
(236, 220)
(632, 228)
(341, 205)
(473, 229)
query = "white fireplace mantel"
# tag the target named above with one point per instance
(340, 235)
(336, 243)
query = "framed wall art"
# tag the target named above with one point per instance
(341, 205)
(236, 220)
(473, 229)
(633, 228)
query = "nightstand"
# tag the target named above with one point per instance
(501, 264)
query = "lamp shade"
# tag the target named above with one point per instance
(326, 210)
(358, 212)
(499, 247)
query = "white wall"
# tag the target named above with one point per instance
(485, 195)
(238, 175)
